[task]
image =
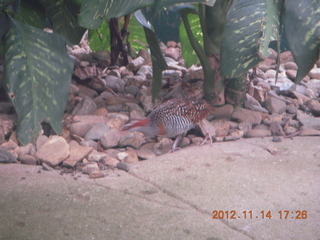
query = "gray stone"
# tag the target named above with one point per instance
(85, 91)
(6, 156)
(163, 146)
(291, 65)
(131, 89)
(135, 64)
(85, 107)
(242, 115)
(147, 71)
(291, 74)
(123, 166)
(292, 109)
(146, 151)
(174, 53)
(27, 149)
(110, 139)
(96, 156)
(253, 104)
(132, 139)
(276, 129)
(54, 151)
(129, 156)
(258, 133)
(314, 73)
(314, 106)
(115, 83)
(275, 105)
(221, 112)
(27, 159)
(308, 121)
(314, 84)
(83, 123)
(117, 120)
(97, 131)
(90, 168)
(89, 143)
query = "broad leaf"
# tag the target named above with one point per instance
(5, 3)
(189, 55)
(137, 36)
(249, 27)
(302, 27)
(93, 12)
(158, 62)
(99, 39)
(31, 13)
(63, 15)
(37, 75)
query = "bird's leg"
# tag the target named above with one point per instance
(207, 136)
(177, 142)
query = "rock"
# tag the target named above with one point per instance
(101, 112)
(241, 115)
(314, 106)
(194, 74)
(146, 100)
(27, 149)
(252, 104)
(90, 168)
(172, 75)
(291, 65)
(54, 151)
(136, 64)
(258, 133)
(245, 127)
(132, 139)
(42, 139)
(163, 146)
(85, 107)
(292, 109)
(275, 105)
(174, 53)
(286, 57)
(77, 153)
(146, 151)
(271, 73)
(314, 73)
(308, 121)
(301, 97)
(314, 84)
(309, 132)
(276, 139)
(234, 135)
(85, 91)
(136, 112)
(196, 140)
(83, 123)
(259, 93)
(8, 123)
(292, 74)
(290, 130)
(207, 127)
(115, 83)
(96, 174)
(46, 167)
(96, 156)
(6, 157)
(129, 156)
(117, 120)
(123, 166)
(221, 127)
(27, 159)
(146, 56)
(147, 71)
(9, 146)
(110, 161)
(89, 143)
(172, 44)
(174, 66)
(276, 129)
(131, 89)
(185, 142)
(111, 138)
(97, 131)
(222, 112)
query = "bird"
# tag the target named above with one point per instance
(173, 118)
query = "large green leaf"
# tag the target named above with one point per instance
(31, 13)
(93, 12)
(63, 15)
(99, 39)
(189, 55)
(158, 62)
(250, 26)
(37, 75)
(137, 36)
(302, 27)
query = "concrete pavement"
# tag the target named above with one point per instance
(173, 196)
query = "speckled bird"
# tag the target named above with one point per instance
(173, 118)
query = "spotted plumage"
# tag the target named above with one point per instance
(172, 118)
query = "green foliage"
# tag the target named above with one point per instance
(99, 39)
(37, 74)
(301, 23)
(137, 35)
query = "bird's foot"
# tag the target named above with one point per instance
(207, 137)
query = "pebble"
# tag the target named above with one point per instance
(96, 174)
(83, 123)
(129, 156)
(6, 156)
(77, 153)
(132, 139)
(110, 161)
(173, 53)
(163, 146)
(135, 64)
(274, 105)
(146, 151)
(258, 133)
(314, 106)
(54, 151)
(292, 74)
(123, 166)
(291, 65)
(314, 73)
(110, 139)
(90, 168)
(95, 156)
(292, 109)
(115, 83)
(242, 115)
(27, 159)
(276, 139)
(97, 131)
(308, 121)
(85, 107)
